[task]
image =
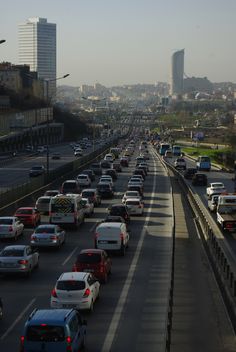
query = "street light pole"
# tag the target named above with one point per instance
(47, 81)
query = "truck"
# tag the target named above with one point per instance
(226, 212)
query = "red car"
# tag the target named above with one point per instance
(28, 215)
(95, 261)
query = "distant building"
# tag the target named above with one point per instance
(177, 73)
(194, 84)
(37, 48)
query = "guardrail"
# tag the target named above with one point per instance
(15, 193)
(221, 256)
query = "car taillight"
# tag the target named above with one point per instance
(22, 340)
(23, 261)
(102, 268)
(68, 341)
(229, 225)
(10, 228)
(86, 292)
(53, 293)
(74, 268)
(96, 235)
(53, 237)
(122, 237)
(33, 238)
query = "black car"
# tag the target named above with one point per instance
(37, 170)
(189, 173)
(105, 190)
(199, 180)
(112, 173)
(56, 156)
(90, 173)
(96, 167)
(120, 210)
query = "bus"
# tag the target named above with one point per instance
(176, 150)
(203, 163)
(66, 209)
(163, 148)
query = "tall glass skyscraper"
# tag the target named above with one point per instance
(177, 72)
(37, 48)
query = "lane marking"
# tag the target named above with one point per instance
(93, 227)
(69, 256)
(20, 316)
(122, 300)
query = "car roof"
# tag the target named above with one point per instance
(89, 189)
(73, 275)
(26, 208)
(52, 316)
(133, 199)
(109, 224)
(91, 250)
(7, 217)
(47, 225)
(16, 246)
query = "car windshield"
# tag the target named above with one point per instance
(70, 285)
(131, 194)
(44, 332)
(43, 200)
(87, 194)
(132, 202)
(24, 211)
(104, 186)
(12, 253)
(90, 258)
(45, 230)
(6, 221)
(69, 185)
(117, 210)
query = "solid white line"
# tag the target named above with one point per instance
(69, 256)
(20, 316)
(93, 227)
(120, 305)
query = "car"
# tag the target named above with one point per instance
(135, 187)
(144, 164)
(105, 190)
(105, 165)
(88, 206)
(131, 194)
(180, 164)
(139, 159)
(112, 218)
(112, 173)
(95, 261)
(112, 236)
(135, 206)
(48, 235)
(21, 259)
(96, 167)
(42, 149)
(124, 161)
(137, 177)
(52, 192)
(28, 215)
(83, 180)
(93, 195)
(199, 179)
(117, 166)
(10, 227)
(213, 202)
(189, 172)
(78, 152)
(42, 205)
(56, 156)
(168, 153)
(139, 172)
(215, 188)
(78, 290)
(57, 330)
(70, 186)
(37, 170)
(106, 179)
(109, 157)
(135, 182)
(121, 210)
(90, 173)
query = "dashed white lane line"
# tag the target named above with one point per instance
(122, 300)
(20, 316)
(69, 256)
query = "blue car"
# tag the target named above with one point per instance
(53, 330)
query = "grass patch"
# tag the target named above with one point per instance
(218, 156)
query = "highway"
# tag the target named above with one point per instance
(132, 310)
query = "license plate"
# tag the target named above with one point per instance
(102, 241)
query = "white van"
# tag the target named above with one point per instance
(112, 236)
(66, 209)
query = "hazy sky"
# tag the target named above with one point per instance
(116, 42)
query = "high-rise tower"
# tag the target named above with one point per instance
(177, 72)
(37, 48)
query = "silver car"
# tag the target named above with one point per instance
(10, 227)
(47, 235)
(88, 206)
(18, 259)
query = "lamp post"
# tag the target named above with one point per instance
(48, 101)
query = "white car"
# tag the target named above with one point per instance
(137, 177)
(88, 206)
(130, 194)
(180, 164)
(109, 157)
(84, 180)
(18, 259)
(107, 179)
(215, 188)
(77, 290)
(212, 202)
(10, 227)
(135, 206)
(78, 152)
